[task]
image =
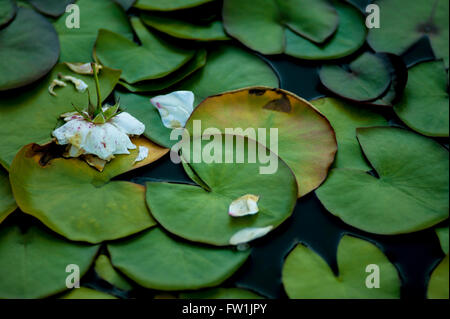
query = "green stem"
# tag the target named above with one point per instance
(97, 86)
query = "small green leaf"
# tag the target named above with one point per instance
(53, 8)
(87, 293)
(8, 10)
(106, 271)
(442, 234)
(438, 284)
(7, 201)
(164, 5)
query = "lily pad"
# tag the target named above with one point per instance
(77, 43)
(349, 37)
(197, 62)
(442, 234)
(212, 31)
(7, 201)
(8, 10)
(153, 59)
(156, 260)
(34, 114)
(34, 262)
(164, 5)
(84, 293)
(174, 205)
(410, 194)
(126, 4)
(364, 80)
(425, 103)
(106, 271)
(345, 119)
(77, 201)
(52, 8)
(262, 27)
(438, 284)
(306, 140)
(221, 293)
(307, 276)
(404, 22)
(214, 78)
(23, 60)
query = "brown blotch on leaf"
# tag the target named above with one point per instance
(280, 105)
(257, 92)
(43, 154)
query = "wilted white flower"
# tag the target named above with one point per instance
(248, 234)
(82, 68)
(175, 108)
(243, 206)
(55, 83)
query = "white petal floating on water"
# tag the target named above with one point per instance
(143, 154)
(80, 85)
(243, 206)
(248, 234)
(55, 83)
(82, 68)
(175, 108)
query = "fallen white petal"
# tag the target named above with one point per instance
(243, 206)
(80, 85)
(143, 154)
(128, 124)
(248, 234)
(54, 84)
(175, 108)
(82, 68)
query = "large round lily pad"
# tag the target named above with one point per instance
(33, 115)
(23, 59)
(213, 78)
(306, 140)
(365, 79)
(404, 22)
(164, 5)
(77, 201)
(7, 11)
(200, 212)
(345, 119)
(424, 106)
(262, 26)
(349, 37)
(410, 194)
(307, 276)
(52, 8)
(154, 58)
(221, 293)
(34, 261)
(156, 260)
(77, 43)
(438, 284)
(7, 201)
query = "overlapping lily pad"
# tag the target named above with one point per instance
(215, 77)
(7, 201)
(34, 261)
(77, 201)
(442, 234)
(33, 115)
(52, 8)
(438, 284)
(200, 212)
(307, 276)
(424, 106)
(156, 260)
(365, 79)
(126, 4)
(345, 119)
(87, 293)
(262, 27)
(306, 140)
(410, 194)
(77, 43)
(153, 59)
(221, 293)
(7, 11)
(106, 271)
(164, 5)
(23, 59)
(349, 37)
(404, 22)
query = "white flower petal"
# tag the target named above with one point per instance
(175, 108)
(143, 154)
(82, 68)
(55, 83)
(243, 206)
(128, 124)
(248, 234)
(80, 85)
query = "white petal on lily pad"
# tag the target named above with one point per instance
(243, 206)
(55, 83)
(143, 154)
(248, 234)
(175, 108)
(82, 68)
(80, 85)
(128, 124)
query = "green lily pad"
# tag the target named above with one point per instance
(77, 201)
(306, 140)
(7, 201)
(52, 8)
(345, 119)
(213, 31)
(126, 4)
(404, 22)
(410, 194)
(156, 260)
(442, 234)
(34, 114)
(221, 293)
(197, 62)
(77, 44)
(366, 78)
(7, 11)
(438, 284)
(164, 5)
(23, 59)
(214, 78)
(424, 106)
(153, 59)
(34, 262)
(307, 276)
(173, 205)
(349, 37)
(84, 293)
(106, 271)
(262, 27)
